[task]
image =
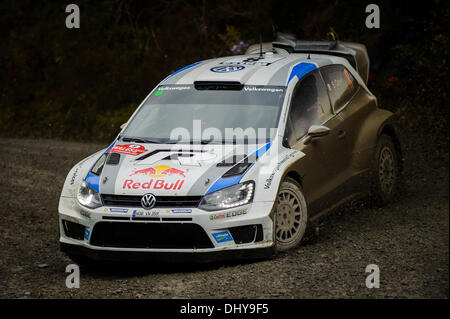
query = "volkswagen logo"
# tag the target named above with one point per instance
(227, 68)
(148, 201)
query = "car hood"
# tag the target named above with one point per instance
(170, 170)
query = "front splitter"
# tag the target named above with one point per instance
(169, 257)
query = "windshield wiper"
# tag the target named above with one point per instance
(140, 140)
(204, 142)
(148, 140)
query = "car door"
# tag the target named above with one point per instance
(342, 88)
(310, 105)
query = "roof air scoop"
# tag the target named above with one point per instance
(218, 85)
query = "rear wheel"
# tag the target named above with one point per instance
(385, 177)
(291, 215)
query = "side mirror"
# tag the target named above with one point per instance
(285, 142)
(123, 125)
(318, 130)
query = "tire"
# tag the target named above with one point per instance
(385, 172)
(290, 216)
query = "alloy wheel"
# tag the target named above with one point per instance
(288, 219)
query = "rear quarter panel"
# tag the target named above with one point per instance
(366, 140)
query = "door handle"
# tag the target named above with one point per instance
(341, 134)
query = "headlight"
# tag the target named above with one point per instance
(87, 196)
(229, 197)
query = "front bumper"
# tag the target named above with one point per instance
(219, 230)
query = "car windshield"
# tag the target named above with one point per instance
(182, 113)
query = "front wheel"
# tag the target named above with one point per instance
(291, 215)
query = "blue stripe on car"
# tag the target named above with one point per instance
(224, 182)
(301, 70)
(182, 69)
(93, 181)
(262, 150)
(113, 143)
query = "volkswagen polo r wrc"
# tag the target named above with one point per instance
(232, 157)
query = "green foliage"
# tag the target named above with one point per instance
(230, 37)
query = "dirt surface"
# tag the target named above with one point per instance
(408, 240)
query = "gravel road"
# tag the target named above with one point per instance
(407, 240)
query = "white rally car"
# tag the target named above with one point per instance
(231, 157)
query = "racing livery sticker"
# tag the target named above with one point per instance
(267, 60)
(268, 183)
(87, 232)
(262, 89)
(72, 180)
(116, 210)
(227, 68)
(222, 236)
(228, 214)
(160, 171)
(179, 211)
(85, 213)
(129, 149)
(174, 88)
(349, 80)
(156, 173)
(152, 184)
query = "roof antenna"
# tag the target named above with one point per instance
(260, 47)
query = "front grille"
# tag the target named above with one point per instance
(161, 201)
(116, 218)
(150, 235)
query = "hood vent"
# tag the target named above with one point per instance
(231, 161)
(113, 159)
(147, 155)
(176, 156)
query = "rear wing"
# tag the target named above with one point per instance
(354, 53)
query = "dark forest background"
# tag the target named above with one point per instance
(82, 84)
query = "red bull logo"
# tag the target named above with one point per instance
(160, 171)
(153, 184)
(156, 183)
